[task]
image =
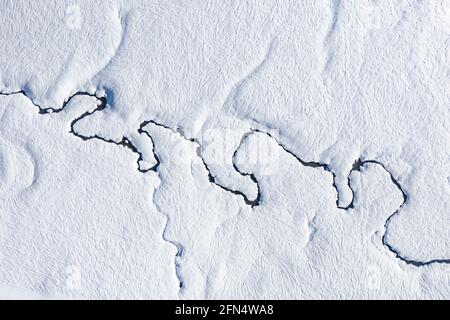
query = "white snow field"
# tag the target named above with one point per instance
(234, 149)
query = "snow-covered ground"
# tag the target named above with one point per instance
(225, 149)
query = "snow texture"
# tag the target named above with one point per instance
(225, 149)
